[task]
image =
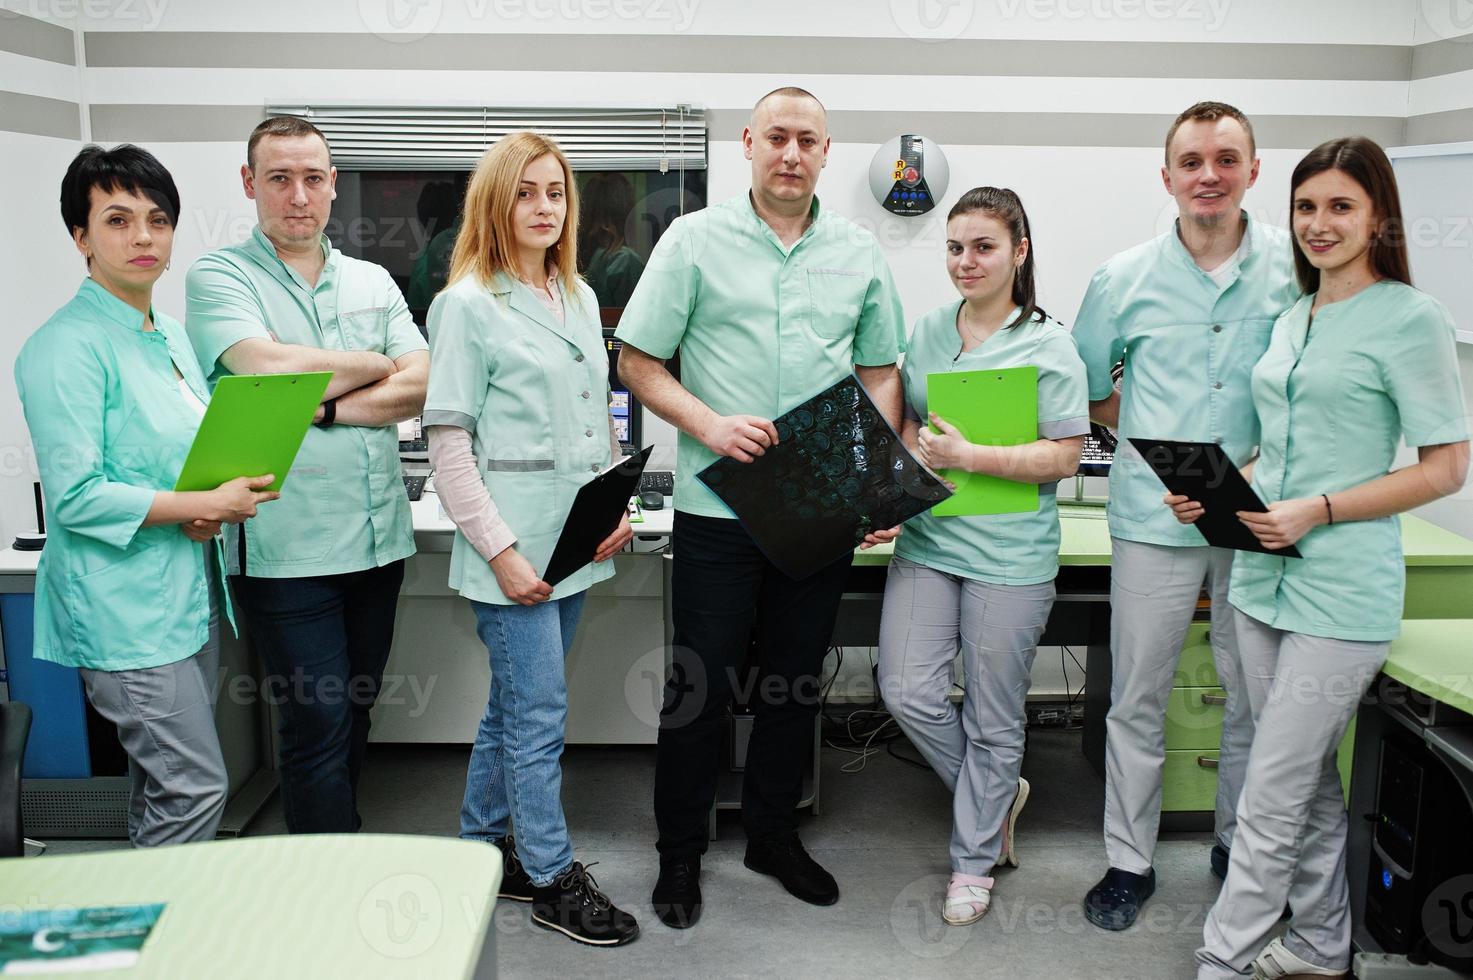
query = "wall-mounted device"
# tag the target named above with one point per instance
(908, 175)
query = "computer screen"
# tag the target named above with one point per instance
(412, 438)
(1099, 451)
(623, 407)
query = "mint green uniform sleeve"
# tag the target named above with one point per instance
(880, 337)
(1098, 337)
(403, 336)
(913, 387)
(460, 364)
(1063, 398)
(62, 394)
(220, 310)
(656, 316)
(1420, 371)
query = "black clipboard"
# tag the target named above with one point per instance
(597, 509)
(1203, 472)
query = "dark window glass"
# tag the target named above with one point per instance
(406, 221)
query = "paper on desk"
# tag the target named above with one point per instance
(73, 940)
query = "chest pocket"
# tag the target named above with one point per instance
(365, 328)
(835, 298)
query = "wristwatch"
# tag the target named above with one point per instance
(329, 412)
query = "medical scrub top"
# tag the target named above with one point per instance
(534, 394)
(1189, 348)
(1334, 399)
(1001, 549)
(760, 327)
(111, 428)
(343, 507)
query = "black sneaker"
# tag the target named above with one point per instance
(573, 906)
(1219, 861)
(677, 894)
(516, 884)
(785, 859)
(1115, 902)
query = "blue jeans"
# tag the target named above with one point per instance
(515, 772)
(324, 640)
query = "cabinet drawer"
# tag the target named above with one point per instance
(1194, 718)
(1195, 668)
(1188, 784)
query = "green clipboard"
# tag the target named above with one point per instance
(990, 408)
(255, 424)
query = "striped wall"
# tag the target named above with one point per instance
(1001, 84)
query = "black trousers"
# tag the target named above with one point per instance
(722, 586)
(324, 640)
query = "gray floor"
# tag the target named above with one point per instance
(883, 833)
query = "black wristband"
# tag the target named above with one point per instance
(329, 412)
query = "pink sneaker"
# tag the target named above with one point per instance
(967, 898)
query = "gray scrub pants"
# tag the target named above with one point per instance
(976, 749)
(166, 722)
(1153, 593)
(1290, 843)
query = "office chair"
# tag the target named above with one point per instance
(15, 731)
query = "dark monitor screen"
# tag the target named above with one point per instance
(1099, 452)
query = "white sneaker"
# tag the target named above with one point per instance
(1009, 854)
(1277, 963)
(967, 898)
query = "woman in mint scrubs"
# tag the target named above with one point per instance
(518, 419)
(1362, 362)
(128, 586)
(982, 584)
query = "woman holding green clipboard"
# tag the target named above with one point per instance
(984, 583)
(128, 587)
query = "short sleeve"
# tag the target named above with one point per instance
(403, 337)
(63, 391)
(1097, 336)
(912, 381)
(459, 362)
(879, 338)
(1063, 398)
(220, 310)
(656, 316)
(1421, 375)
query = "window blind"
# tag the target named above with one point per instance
(366, 137)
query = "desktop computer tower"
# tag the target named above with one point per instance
(1419, 899)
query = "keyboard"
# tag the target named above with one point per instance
(415, 486)
(661, 480)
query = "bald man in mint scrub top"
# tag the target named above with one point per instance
(770, 299)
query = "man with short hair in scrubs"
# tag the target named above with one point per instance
(770, 299)
(1190, 312)
(317, 577)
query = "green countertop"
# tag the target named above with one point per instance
(349, 905)
(1085, 540)
(1435, 657)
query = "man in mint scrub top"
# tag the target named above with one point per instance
(317, 579)
(770, 299)
(1190, 312)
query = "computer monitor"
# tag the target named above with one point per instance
(412, 442)
(624, 409)
(1099, 452)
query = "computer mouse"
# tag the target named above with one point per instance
(651, 500)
